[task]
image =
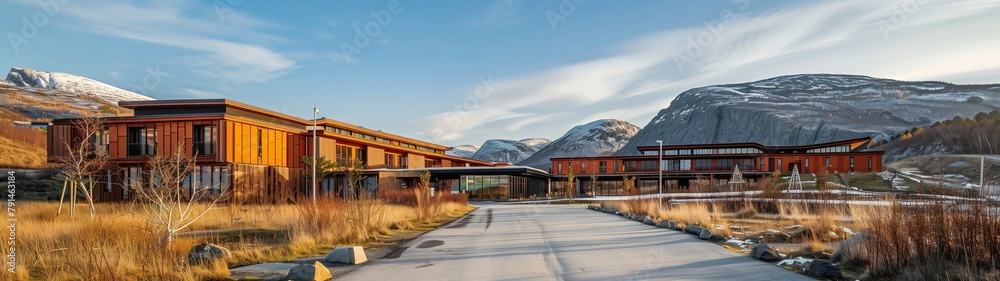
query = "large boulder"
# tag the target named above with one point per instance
(207, 252)
(853, 249)
(648, 220)
(705, 234)
(665, 224)
(693, 229)
(347, 254)
(765, 253)
(309, 272)
(824, 269)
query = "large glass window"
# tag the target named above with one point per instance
(583, 167)
(852, 164)
(204, 138)
(870, 164)
(602, 167)
(724, 164)
(616, 166)
(704, 151)
(834, 149)
(703, 164)
(98, 143)
(141, 141)
(260, 146)
(745, 163)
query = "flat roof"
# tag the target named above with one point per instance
(853, 142)
(517, 170)
(304, 122)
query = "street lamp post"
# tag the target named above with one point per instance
(315, 111)
(659, 179)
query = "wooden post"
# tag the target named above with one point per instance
(62, 197)
(72, 199)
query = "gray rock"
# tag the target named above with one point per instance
(309, 272)
(207, 252)
(765, 253)
(693, 229)
(824, 269)
(347, 254)
(676, 226)
(665, 224)
(704, 234)
(648, 220)
(718, 237)
(807, 109)
(853, 249)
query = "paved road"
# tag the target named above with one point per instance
(559, 242)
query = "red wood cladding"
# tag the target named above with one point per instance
(237, 142)
(839, 162)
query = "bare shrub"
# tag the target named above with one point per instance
(83, 160)
(163, 199)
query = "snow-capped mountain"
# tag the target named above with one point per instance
(511, 151)
(536, 143)
(810, 108)
(70, 83)
(601, 137)
(464, 151)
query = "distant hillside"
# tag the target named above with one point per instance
(810, 108)
(464, 151)
(977, 135)
(25, 148)
(509, 151)
(601, 137)
(71, 84)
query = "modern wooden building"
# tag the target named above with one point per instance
(256, 152)
(683, 164)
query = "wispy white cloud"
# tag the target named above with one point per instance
(499, 13)
(201, 94)
(928, 40)
(230, 50)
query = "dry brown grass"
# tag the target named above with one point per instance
(931, 242)
(118, 244)
(22, 154)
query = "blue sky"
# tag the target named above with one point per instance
(461, 72)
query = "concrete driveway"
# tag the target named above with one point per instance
(561, 242)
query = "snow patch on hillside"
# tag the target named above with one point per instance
(70, 83)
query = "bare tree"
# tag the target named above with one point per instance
(165, 201)
(83, 159)
(570, 187)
